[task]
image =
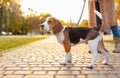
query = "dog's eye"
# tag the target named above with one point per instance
(49, 21)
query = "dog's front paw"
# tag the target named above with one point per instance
(105, 62)
(89, 66)
(63, 63)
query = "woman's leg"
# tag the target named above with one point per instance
(116, 37)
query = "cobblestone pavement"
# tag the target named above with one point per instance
(41, 59)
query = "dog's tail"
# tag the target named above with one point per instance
(100, 16)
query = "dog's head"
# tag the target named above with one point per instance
(53, 24)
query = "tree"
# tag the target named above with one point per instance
(84, 23)
(33, 21)
(10, 16)
(118, 9)
(70, 22)
(1, 12)
(3, 4)
(15, 17)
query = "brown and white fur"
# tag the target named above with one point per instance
(68, 36)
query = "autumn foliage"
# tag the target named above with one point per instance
(12, 19)
(118, 9)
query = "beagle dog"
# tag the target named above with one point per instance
(69, 36)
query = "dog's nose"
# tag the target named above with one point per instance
(42, 26)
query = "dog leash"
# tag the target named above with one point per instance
(81, 13)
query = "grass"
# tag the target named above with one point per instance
(9, 42)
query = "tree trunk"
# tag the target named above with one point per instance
(1, 14)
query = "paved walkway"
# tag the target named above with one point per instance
(41, 60)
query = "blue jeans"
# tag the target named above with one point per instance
(115, 30)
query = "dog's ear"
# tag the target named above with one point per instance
(52, 20)
(57, 26)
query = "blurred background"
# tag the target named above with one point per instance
(22, 17)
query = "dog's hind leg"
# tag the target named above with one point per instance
(93, 48)
(105, 52)
(93, 44)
